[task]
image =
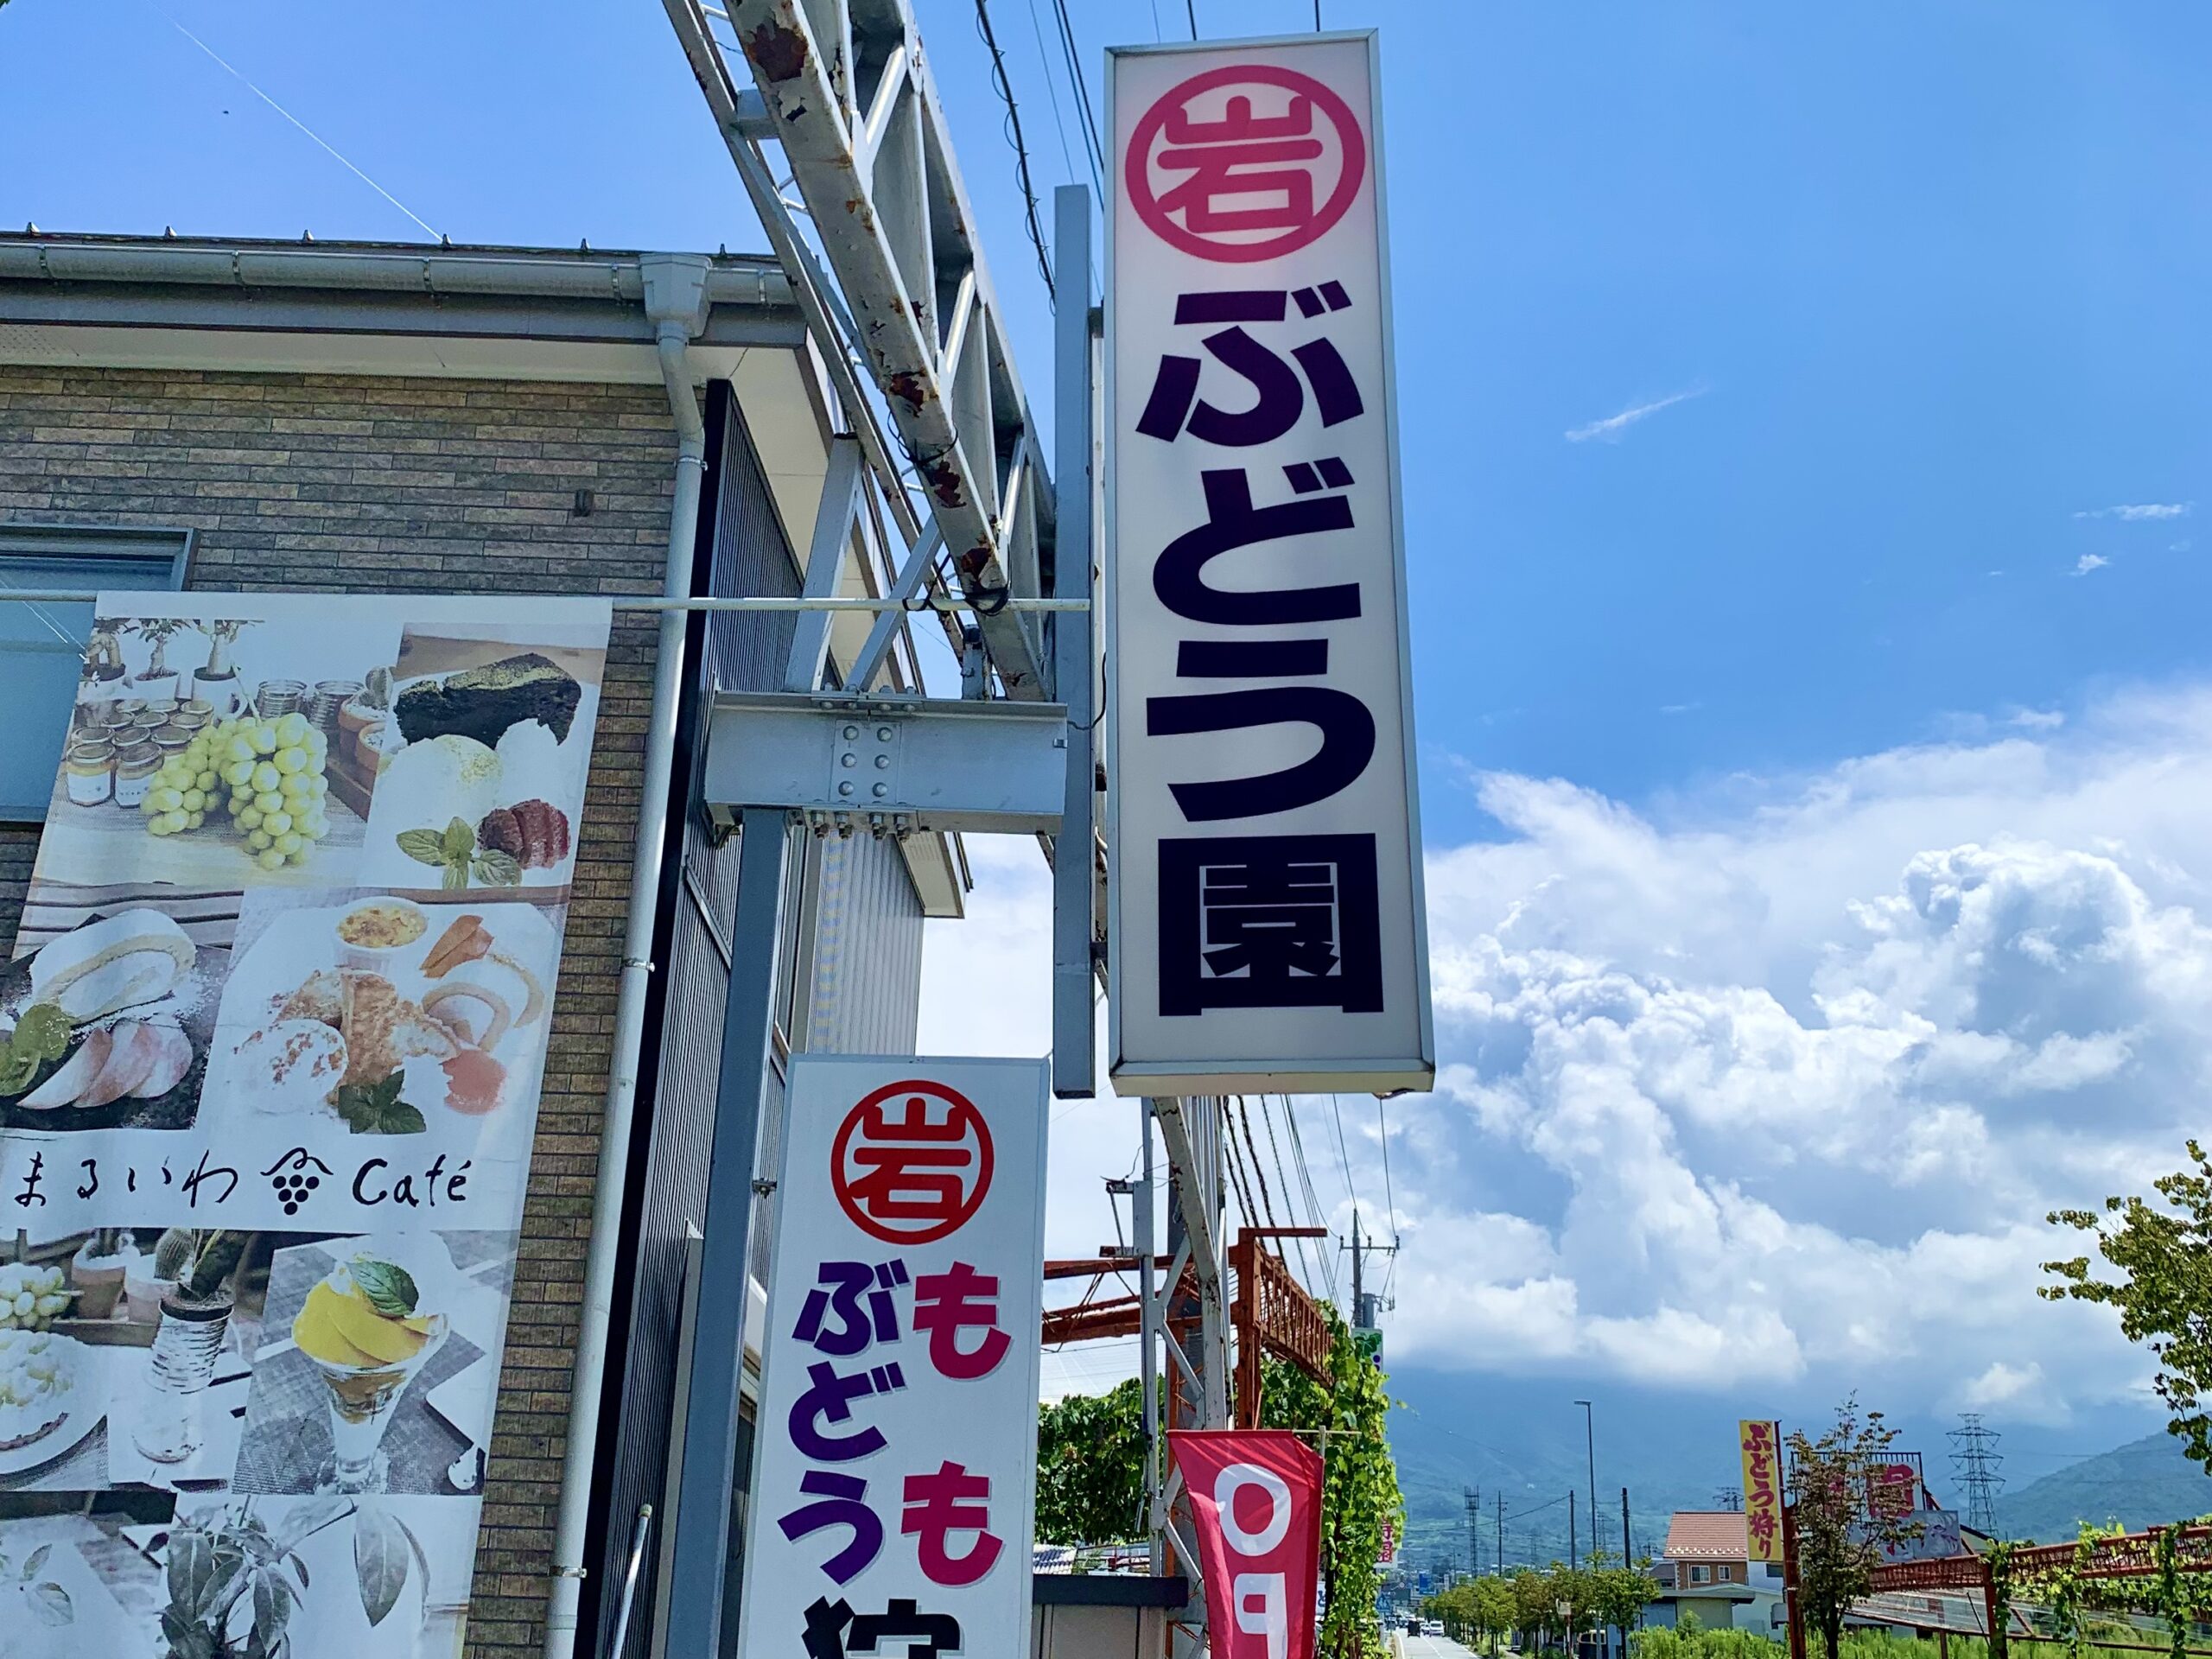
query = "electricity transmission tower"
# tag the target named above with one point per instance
(1974, 1465)
(1727, 1498)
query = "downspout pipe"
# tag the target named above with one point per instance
(676, 302)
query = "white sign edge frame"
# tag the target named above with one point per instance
(916, 1063)
(1384, 1074)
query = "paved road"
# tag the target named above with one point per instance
(1435, 1647)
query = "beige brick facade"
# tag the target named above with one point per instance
(320, 482)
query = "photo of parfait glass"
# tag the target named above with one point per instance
(367, 1330)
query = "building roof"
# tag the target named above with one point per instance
(380, 307)
(1707, 1536)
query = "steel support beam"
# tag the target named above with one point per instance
(1192, 1157)
(1075, 1013)
(700, 1536)
(835, 517)
(863, 134)
(891, 764)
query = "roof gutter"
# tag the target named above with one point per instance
(615, 276)
(677, 293)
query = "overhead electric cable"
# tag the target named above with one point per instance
(1191, 7)
(1052, 92)
(1259, 1171)
(1343, 1157)
(1289, 1194)
(1013, 134)
(1082, 95)
(1314, 1212)
(1389, 1199)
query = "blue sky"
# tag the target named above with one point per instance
(1927, 280)
(1814, 763)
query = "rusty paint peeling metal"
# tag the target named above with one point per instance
(777, 52)
(909, 388)
(946, 483)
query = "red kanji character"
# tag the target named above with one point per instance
(946, 1304)
(1230, 172)
(950, 1501)
(912, 1162)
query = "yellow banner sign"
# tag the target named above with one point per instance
(1762, 1498)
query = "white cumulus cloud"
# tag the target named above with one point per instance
(1774, 1083)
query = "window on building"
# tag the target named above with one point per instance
(1700, 1576)
(42, 641)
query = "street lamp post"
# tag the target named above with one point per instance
(1590, 1439)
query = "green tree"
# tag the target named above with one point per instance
(1840, 1540)
(1493, 1609)
(1619, 1594)
(1091, 1467)
(2163, 1294)
(1535, 1608)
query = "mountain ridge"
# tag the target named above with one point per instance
(1524, 1439)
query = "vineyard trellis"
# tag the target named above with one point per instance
(2165, 1573)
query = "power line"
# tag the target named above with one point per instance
(1051, 91)
(1343, 1157)
(1313, 1198)
(1259, 1172)
(1013, 133)
(1289, 1192)
(1192, 7)
(1082, 95)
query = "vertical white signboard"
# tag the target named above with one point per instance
(1267, 930)
(895, 1451)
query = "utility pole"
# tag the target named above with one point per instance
(1358, 1295)
(1590, 1437)
(1626, 1559)
(1501, 1535)
(1473, 1498)
(1570, 1528)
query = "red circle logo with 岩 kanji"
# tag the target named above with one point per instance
(1245, 162)
(912, 1162)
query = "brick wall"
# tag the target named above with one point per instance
(321, 482)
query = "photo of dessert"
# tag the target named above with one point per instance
(378, 1365)
(481, 760)
(211, 749)
(49, 1398)
(107, 1025)
(382, 1014)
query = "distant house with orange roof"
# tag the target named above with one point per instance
(1708, 1566)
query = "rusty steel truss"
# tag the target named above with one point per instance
(1272, 1314)
(843, 87)
(2131, 1555)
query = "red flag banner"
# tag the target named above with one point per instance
(1256, 1496)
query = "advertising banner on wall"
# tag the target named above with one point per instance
(895, 1461)
(270, 1048)
(1761, 1445)
(1268, 920)
(1255, 1505)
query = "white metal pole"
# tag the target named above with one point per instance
(601, 1261)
